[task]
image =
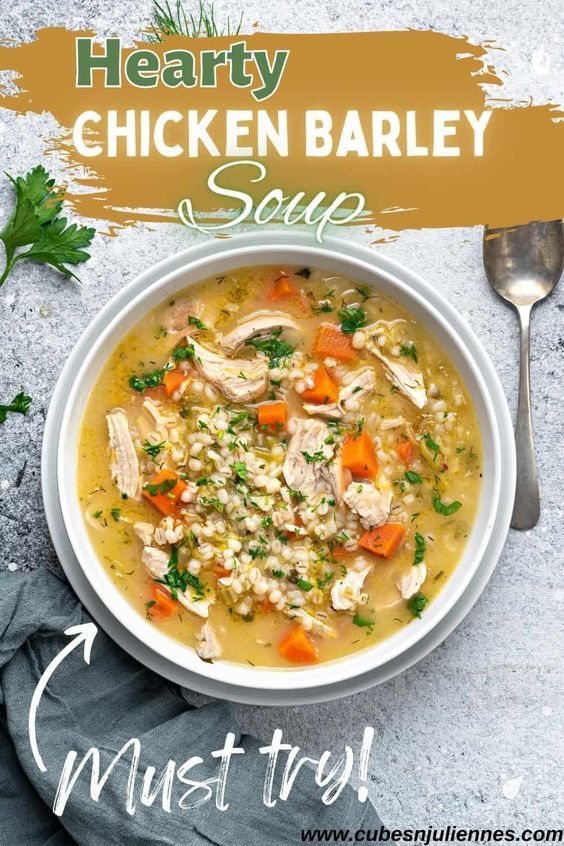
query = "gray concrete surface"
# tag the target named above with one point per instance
(473, 734)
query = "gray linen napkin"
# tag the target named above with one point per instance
(104, 705)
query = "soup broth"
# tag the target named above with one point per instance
(279, 466)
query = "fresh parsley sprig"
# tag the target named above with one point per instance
(35, 224)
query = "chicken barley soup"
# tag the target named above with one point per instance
(279, 467)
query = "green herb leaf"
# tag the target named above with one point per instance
(240, 470)
(147, 380)
(161, 488)
(431, 445)
(362, 622)
(352, 317)
(34, 223)
(409, 351)
(195, 321)
(304, 585)
(313, 458)
(152, 449)
(412, 477)
(417, 603)
(19, 405)
(419, 549)
(183, 353)
(441, 508)
(272, 347)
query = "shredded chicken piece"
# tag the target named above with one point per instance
(410, 583)
(239, 379)
(347, 592)
(178, 315)
(256, 324)
(371, 504)
(144, 532)
(317, 626)
(299, 473)
(409, 383)
(339, 478)
(124, 465)
(209, 646)
(357, 385)
(162, 421)
(155, 561)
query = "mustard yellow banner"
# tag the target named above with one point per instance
(387, 128)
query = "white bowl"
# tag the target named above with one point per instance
(239, 681)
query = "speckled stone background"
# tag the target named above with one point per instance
(473, 734)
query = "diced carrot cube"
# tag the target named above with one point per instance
(297, 647)
(359, 456)
(332, 343)
(282, 289)
(325, 389)
(167, 502)
(405, 452)
(383, 541)
(173, 380)
(273, 415)
(164, 604)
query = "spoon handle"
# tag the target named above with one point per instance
(526, 510)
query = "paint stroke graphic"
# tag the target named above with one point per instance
(517, 179)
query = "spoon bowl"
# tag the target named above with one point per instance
(523, 265)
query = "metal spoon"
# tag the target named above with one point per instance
(523, 265)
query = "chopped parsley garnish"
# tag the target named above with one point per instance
(161, 487)
(324, 580)
(304, 585)
(431, 445)
(417, 603)
(313, 457)
(147, 380)
(19, 405)
(409, 351)
(115, 512)
(183, 353)
(195, 321)
(419, 549)
(359, 428)
(257, 552)
(212, 502)
(363, 622)
(441, 508)
(241, 471)
(272, 347)
(412, 477)
(364, 293)
(152, 449)
(203, 480)
(97, 515)
(161, 332)
(278, 574)
(352, 317)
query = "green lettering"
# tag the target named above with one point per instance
(210, 60)
(179, 69)
(109, 62)
(142, 68)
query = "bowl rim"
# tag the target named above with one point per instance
(241, 251)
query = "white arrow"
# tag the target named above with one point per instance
(85, 633)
